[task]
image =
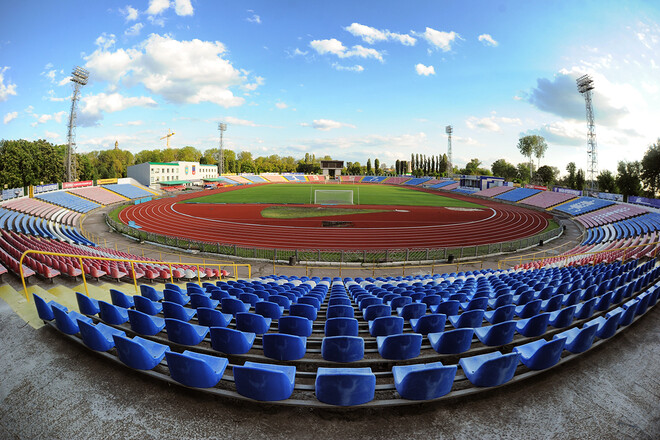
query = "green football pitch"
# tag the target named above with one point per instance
(297, 193)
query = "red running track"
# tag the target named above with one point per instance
(399, 227)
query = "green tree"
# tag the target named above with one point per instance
(651, 169)
(570, 179)
(377, 170)
(606, 181)
(524, 173)
(502, 168)
(369, 166)
(471, 167)
(547, 175)
(628, 178)
(579, 180)
(532, 145)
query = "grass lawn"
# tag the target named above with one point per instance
(304, 212)
(296, 193)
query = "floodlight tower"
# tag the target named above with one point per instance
(221, 165)
(79, 78)
(449, 130)
(585, 85)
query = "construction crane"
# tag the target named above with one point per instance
(169, 134)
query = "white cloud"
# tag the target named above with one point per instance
(372, 35)
(105, 41)
(421, 69)
(10, 117)
(93, 106)
(180, 71)
(439, 39)
(236, 121)
(130, 124)
(64, 81)
(326, 124)
(355, 68)
(491, 123)
(134, 30)
(488, 40)
(336, 47)
(51, 134)
(254, 19)
(57, 117)
(6, 89)
(281, 105)
(50, 75)
(258, 81)
(183, 7)
(157, 6)
(130, 13)
(299, 52)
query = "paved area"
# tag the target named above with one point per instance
(51, 388)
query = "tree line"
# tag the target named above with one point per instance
(24, 163)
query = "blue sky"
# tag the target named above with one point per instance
(354, 80)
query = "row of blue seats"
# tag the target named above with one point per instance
(341, 386)
(583, 205)
(632, 227)
(38, 227)
(69, 201)
(517, 194)
(373, 179)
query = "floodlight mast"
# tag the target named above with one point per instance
(79, 78)
(221, 165)
(585, 85)
(450, 168)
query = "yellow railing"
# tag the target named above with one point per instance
(373, 268)
(519, 260)
(80, 259)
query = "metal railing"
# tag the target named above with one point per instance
(337, 256)
(373, 269)
(80, 259)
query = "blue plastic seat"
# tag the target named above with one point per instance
(629, 312)
(249, 298)
(530, 309)
(432, 323)
(264, 382)
(423, 381)
(369, 301)
(399, 347)
(198, 300)
(376, 311)
(400, 301)
(185, 333)
(112, 314)
(412, 311)
(345, 386)
(470, 319)
(87, 305)
(432, 300)
(386, 325)
(176, 297)
(541, 354)
(120, 299)
(490, 369)
(341, 327)
(562, 318)
(571, 299)
(234, 306)
(284, 347)
(139, 353)
(295, 325)
(231, 341)
(340, 311)
(502, 300)
(151, 293)
(578, 340)
(212, 317)
(310, 300)
(305, 310)
(480, 303)
(144, 324)
(553, 304)
(524, 297)
(220, 294)
(44, 309)
(342, 348)
(252, 323)
(196, 369)
(145, 305)
(452, 342)
(497, 334)
(98, 337)
(501, 314)
(586, 309)
(177, 311)
(67, 322)
(174, 287)
(269, 309)
(534, 326)
(607, 326)
(339, 301)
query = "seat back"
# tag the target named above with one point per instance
(145, 324)
(342, 348)
(231, 341)
(212, 318)
(345, 386)
(284, 347)
(182, 332)
(196, 369)
(87, 305)
(295, 325)
(264, 382)
(341, 327)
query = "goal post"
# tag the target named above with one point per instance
(333, 197)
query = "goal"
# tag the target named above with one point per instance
(333, 197)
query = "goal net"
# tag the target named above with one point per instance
(333, 197)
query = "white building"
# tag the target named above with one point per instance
(152, 173)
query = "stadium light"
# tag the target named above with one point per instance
(79, 78)
(585, 85)
(449, 130)
(221, 165)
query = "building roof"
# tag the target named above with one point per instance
(175, 182)
(163, 163)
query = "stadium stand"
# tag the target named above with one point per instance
(255, 178)
(548, 199)
(517, 194)
(583, 205)
(295, 177)
(240, 180)
(353, 179)
(275, 178)
(445, 184)
(396, 180)
(417, 181)
(69, 201)
(494, 191)
(373, 179)
(127, 190)
(98, 194)
(315, 178)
